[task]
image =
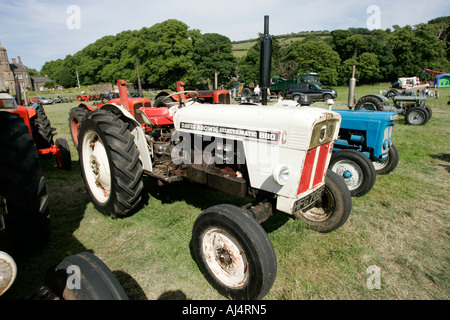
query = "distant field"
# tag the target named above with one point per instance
(401, 227)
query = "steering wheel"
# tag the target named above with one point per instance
(181, 102)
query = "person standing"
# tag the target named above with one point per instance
(257, 93)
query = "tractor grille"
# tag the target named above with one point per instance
(137, 113)
(224, 98)
(314, 167)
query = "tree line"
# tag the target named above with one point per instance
(170, 51)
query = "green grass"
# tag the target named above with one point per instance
(401, 226)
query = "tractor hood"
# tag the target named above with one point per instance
(284, 124)
(363, 119)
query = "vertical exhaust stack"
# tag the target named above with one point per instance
(265, 64)
(351, 90)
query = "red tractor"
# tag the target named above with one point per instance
(84, 97)
(205, 96)
(40, 129)
(137, 106)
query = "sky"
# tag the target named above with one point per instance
(43, 30)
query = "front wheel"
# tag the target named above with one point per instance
(75, 120)
(417, 116)
(332, 210)
(64, 160)
(389, 164)
(234, 252)
(356, 169)
(110, 165)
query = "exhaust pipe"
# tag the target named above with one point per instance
(265, 64)
(351, 90)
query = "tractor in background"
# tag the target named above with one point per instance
(363, 148)
(202, 96)
(25, 134)
(413, 108)
(134, 105)
(40, 129)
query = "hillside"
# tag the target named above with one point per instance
(240, 47)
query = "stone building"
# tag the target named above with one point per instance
(13, 70)
(5, 70)
(21, 72)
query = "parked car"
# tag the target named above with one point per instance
(45, 100)
(312, 90)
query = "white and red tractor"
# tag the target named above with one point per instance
(277, 155)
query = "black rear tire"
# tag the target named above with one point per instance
(332, 210)
(234, 252)
(356, 169)
(369, 103)
(22, 189)
(113, 177)
(42, 130)
(84, 277)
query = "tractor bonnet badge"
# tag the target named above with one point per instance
(323, 134)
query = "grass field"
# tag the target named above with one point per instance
(401, 227)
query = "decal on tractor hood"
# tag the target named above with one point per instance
(262, 135)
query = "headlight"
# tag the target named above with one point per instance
(394, 117)
(281, 174)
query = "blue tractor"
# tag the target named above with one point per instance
(364, 148)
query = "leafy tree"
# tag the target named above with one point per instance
(212, 53)
(368, 66)
(170, 54)
(65, 78)
(248, 66)
(170, 51)
(316, 56)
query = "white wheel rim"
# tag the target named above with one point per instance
(417, 117)
(96, 166)
(350, 171)
(8, 271)
(225, 257)
(378, 165)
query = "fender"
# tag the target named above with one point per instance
(90, 108)
(138, 133)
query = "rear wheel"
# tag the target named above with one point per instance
(23, 195)
(234, 252)
(42, 129)
(110, 165)
(332, 210)
(356, 169)
(369, 103)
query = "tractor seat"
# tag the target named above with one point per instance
(157, 116)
